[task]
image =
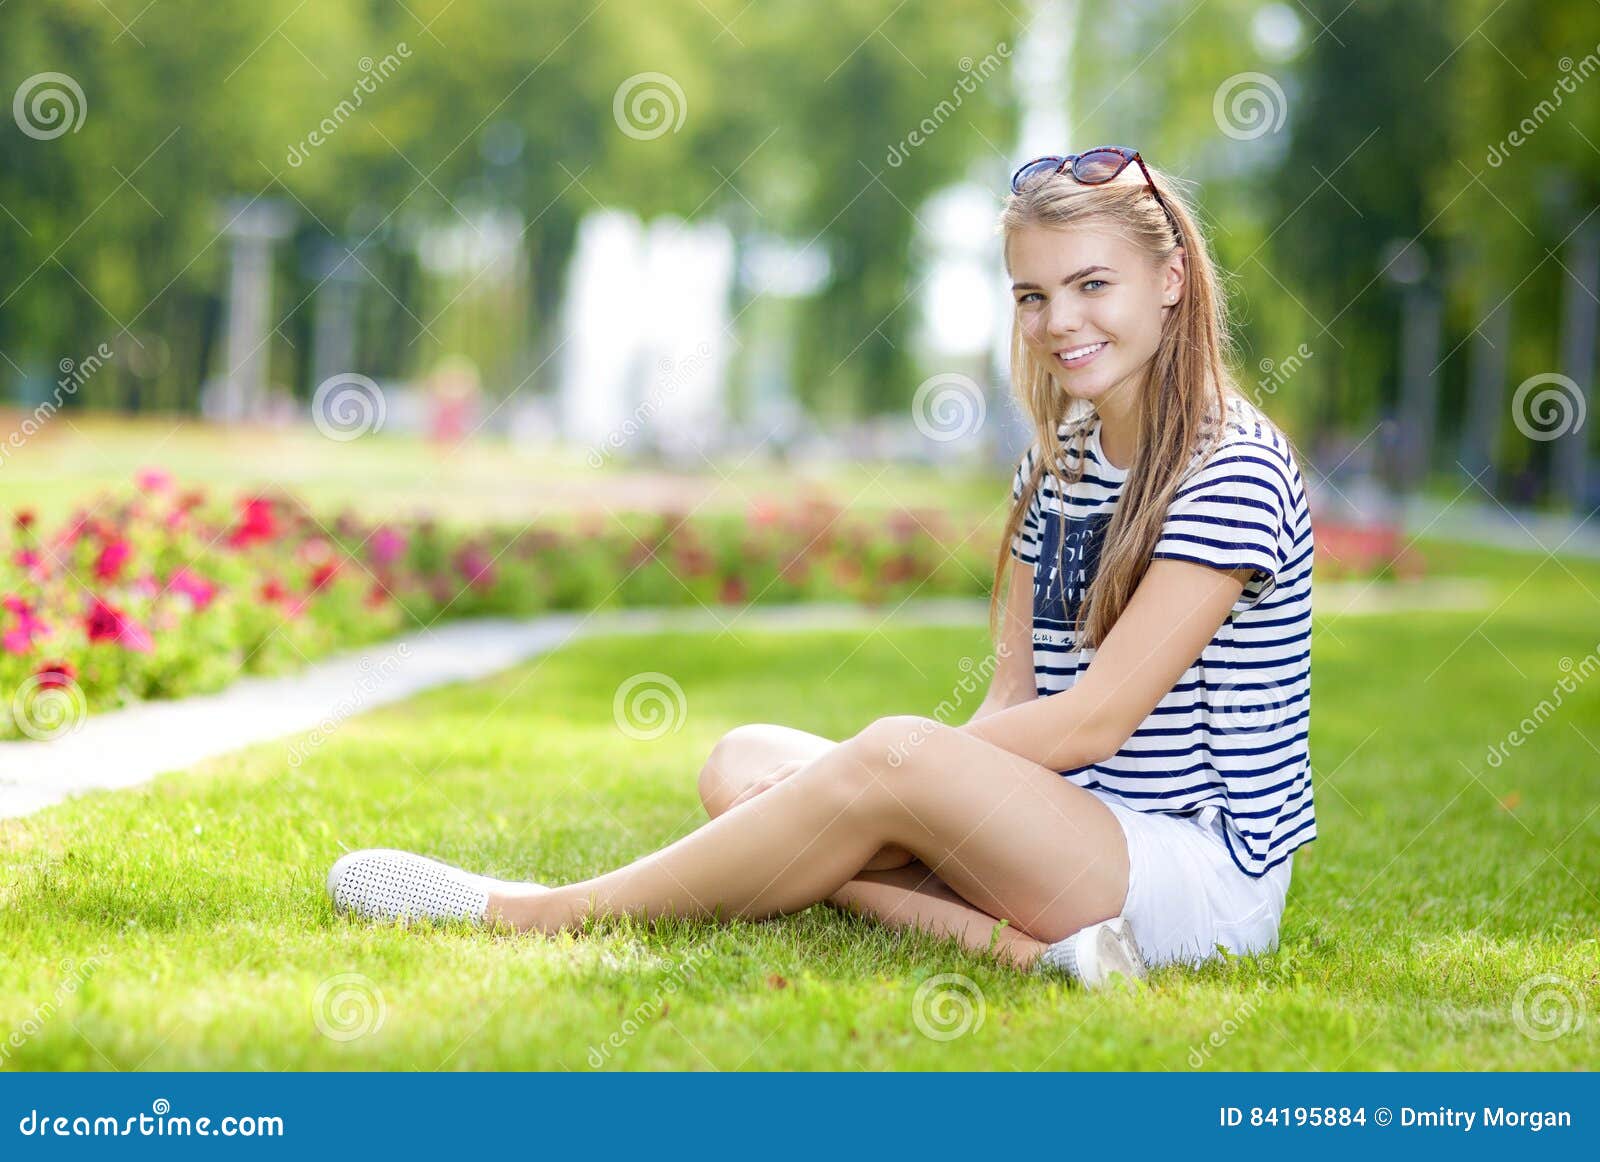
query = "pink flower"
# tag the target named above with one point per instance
(387, 546)
(19, 638)
(108, 623)
(152, 480)
(476, 566)
(196, 588)
(113, 555)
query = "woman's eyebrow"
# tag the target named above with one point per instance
(1071, 278)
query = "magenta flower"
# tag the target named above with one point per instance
(18, 639)
(113, 555)
(193, 586)
(387, 546)
(152, 480)
(108, 623)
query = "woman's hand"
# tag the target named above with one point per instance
(778, 774)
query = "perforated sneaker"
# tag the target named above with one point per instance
(383, 884)
(1092, 956)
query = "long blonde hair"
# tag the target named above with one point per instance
(1182, 406)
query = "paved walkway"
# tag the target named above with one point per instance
(130, 746)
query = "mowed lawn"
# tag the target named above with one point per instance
(1447, 917)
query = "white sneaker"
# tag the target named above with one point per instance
(1092, 956)
(383, 884)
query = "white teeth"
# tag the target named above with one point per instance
(1077, 351)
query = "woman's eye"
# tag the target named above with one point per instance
(1094, 282)
(1029, 295)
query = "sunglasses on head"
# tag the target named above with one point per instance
(1094, 168)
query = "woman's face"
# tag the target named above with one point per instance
(1091, 306)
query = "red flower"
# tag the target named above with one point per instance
(24, 519)
(113, 555)
(376, 596)
(58, 673)
(272, 591)
(322, 574)
(108, 623)
(257, 522)
(733, 591)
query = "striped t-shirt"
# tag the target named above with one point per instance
(1234, 731)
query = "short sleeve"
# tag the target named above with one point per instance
(1025, 544)
(1231, 514)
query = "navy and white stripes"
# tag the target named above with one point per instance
(1234, 729)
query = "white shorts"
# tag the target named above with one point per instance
(1185, 893)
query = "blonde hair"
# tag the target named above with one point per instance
(1183, 400)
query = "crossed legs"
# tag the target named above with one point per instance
(1012, 838)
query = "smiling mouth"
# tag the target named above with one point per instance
(1077, 356)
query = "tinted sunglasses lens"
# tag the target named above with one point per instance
(1100, 165)
(1035, 171)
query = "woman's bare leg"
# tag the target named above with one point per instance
(1014, 838)
(894, 888)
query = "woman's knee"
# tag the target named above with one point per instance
(731, 766)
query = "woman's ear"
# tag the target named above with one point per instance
(1174, 278)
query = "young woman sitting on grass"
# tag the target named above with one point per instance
(1132, 789)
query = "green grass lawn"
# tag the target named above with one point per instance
(1441, 885)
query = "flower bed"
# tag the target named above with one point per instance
(169, 591)
(166, 591)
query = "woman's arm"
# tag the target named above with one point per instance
(1012, 683)
(1175, 611)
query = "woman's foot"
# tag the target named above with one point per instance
(384, 884)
